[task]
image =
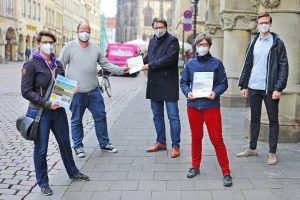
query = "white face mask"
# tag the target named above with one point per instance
(202, 51)
(159, 32)
(264, 28)
(84, 36)
(47, 48)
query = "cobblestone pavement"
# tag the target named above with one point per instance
(17, 176)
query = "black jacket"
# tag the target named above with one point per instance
(36, 77)
(162, 57)
(277, 65)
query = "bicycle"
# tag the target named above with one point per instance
(104, 83)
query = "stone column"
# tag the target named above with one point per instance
(2, 52)
(213, 28)
(237, 25)
(286, 17)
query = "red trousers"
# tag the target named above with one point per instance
(212, 119)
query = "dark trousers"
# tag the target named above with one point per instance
(256, 97)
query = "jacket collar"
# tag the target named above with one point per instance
(161, 38)
(38, 56)
(204, 58)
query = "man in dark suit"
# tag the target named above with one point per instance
(162, 86)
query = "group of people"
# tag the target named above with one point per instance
(263, 77)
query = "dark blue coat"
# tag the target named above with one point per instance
(162, 57)
(205, 63)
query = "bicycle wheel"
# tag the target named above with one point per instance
(106, 85)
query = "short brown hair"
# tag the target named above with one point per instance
(263, 14)
(159, 20)
(203, 36)
(81, 24)
(45, 33)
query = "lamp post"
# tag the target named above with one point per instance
(195, 2)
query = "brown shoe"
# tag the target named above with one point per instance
(175, 152)
(157, 147)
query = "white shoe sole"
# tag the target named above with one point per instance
(81, 155)
(110, 151)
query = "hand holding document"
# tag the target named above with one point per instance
(202, 84)
(63, 91)
(135, 64)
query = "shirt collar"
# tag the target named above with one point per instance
(268, 37)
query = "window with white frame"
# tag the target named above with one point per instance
(24, 8)
(9, 7)
(34, 10)
(38, 12)
(29, 8)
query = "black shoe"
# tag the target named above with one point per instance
(227, 181)
(46, 190)
(192, 172)
(81, 177)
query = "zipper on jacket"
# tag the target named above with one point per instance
(247, 53)
(41, 91)
(268, 70)
(268, 64)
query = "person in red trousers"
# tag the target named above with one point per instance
(204, 107)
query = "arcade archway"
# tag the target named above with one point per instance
(11, 45)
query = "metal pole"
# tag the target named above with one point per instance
(182, 53)
(195, 22)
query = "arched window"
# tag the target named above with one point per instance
(148, 13)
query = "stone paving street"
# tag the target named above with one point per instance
(17, 177)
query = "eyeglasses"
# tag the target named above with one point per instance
(158, 28)
(46, 42)
(261, 23)
(202, 44)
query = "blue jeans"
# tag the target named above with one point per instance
(159, 122)
(93, 101)
(57, 122)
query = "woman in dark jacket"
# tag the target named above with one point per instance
(206, 109)
(36, 78)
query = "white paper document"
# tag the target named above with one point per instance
(202, 84)
(135, 64)
(63, 91)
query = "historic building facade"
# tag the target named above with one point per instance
(21, 20)
(134, 17)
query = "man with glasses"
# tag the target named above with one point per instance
(162, 85)
(263, 78)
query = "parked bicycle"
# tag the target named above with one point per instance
(104, 83)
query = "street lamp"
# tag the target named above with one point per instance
(195, 2)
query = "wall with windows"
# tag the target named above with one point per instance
(21, 20)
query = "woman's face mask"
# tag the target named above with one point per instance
(202, 50)
(84, 36)
(47, 48)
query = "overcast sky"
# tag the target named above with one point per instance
(109, 7)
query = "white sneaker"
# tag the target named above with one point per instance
(272, 160)
(79, 152)
(109, 148)
(247, 152)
